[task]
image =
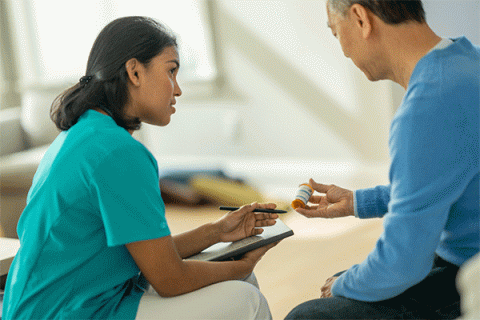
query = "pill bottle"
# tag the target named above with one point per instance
(302, 196)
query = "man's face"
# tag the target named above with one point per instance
(341, 30)
(348, 30)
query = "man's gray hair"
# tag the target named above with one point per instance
(390, 11)
(340, 6)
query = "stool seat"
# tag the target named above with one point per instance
(8, 250)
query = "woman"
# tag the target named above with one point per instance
(95, 218)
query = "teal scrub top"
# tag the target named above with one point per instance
(95, 190)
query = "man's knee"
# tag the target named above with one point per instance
(340, 308)
(310, 310)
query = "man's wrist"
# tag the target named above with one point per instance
(355, 210)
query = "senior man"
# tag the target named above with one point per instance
(431, 206)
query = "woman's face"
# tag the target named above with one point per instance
(153, 88)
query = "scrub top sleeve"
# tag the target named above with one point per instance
(127, 188)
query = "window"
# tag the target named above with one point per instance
(60, 33)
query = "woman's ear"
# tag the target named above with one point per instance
(132, 66)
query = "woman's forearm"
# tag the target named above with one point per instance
(196, 240)
(169, 275)
(198, 274)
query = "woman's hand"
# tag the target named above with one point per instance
(337, 202)
(251, 258)
(243, 222)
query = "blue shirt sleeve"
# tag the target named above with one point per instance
(127, 188)
(372, 202)
(434, 152)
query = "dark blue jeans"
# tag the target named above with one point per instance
(435, 297)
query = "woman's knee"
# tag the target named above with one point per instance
(224, 300)
(249, 299)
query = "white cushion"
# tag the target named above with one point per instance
(11, 132)
(17, 169)
(35, 118)
(468, 283)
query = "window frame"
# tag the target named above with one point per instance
(29, 70)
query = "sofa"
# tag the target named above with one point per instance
(25, 134)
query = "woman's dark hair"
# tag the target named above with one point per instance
(390, 11)
(105, 84)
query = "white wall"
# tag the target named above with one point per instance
(454, 18)
(293, 98)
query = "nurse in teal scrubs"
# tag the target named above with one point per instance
(93, 235)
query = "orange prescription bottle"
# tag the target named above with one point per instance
(304, 192)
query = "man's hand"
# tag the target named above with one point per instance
(337, 202)
(243, 222)
(327, 287)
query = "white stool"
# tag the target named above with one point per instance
(8, 250)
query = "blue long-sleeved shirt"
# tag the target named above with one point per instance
(432, 203)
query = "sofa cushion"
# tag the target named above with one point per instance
(17, 169)
(35, 118)
(11, 132)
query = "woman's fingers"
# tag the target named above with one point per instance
(266, 205)
(265, 223)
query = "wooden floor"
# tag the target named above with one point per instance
(294, 270)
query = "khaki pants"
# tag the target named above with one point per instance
(225, 300)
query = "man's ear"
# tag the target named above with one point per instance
(362, 18)
(132, 66)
